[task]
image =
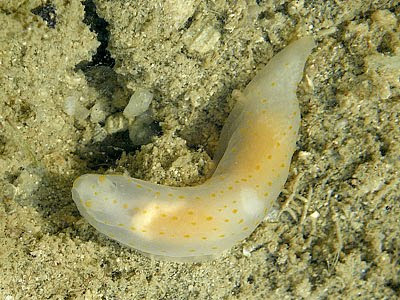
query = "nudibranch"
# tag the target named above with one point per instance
(252, 164)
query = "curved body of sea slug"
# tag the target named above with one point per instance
(194, 223)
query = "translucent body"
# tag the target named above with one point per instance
(194, 223)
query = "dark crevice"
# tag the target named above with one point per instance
(105, 154)
(48, 13)
(100, 75)
(102, 57)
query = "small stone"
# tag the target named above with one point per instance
(73, 107)
(141, 131)
(315, 215)
(179, 11)
(246, 252)
(99, 111)
(28, 182)
(201, 38)
(138, 103)
(116, 123)
(99, 134)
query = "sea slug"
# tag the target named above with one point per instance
(199, 222)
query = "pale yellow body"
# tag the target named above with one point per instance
(193, 223)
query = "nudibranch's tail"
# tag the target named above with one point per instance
(273, 89)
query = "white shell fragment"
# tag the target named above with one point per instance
(138, 104)
(199, 222)
(201, 37)
(178, 11)
(73, 107)
(116, 123)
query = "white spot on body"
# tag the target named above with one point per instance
(251, 203)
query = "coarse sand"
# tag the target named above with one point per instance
(68, 69)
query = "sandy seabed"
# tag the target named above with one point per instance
(338, 232)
